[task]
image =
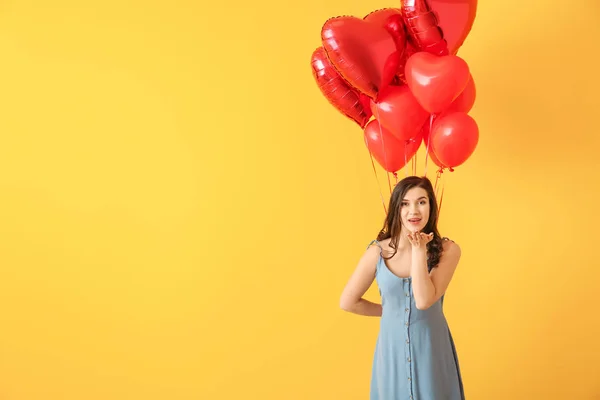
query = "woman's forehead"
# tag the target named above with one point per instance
(415, 193)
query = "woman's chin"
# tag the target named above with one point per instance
(413, 227)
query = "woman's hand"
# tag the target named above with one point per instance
(419, 240)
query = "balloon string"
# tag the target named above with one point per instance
(376, 178)
(405, 162)
(443, 183)
(428, 142)
(437, 179)
(441, 200)
(438, 184)
(416, 163)
(383, 149)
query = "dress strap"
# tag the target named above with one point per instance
(380, 259)
(376, 243)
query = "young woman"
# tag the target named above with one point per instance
(415, 357)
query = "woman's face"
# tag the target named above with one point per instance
(414, 209)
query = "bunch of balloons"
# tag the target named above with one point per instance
(395, 73)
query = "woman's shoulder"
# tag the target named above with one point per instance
(450, 246)
(385, 245)
(381, 243)
(382, 246)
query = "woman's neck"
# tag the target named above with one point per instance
(403, 242)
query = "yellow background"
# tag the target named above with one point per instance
(180, 207)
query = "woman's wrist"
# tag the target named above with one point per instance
(419, 251)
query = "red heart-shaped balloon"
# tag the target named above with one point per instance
(423, 27)
(436, 81)
(392, 154)
(337, 91)
(456, 19)
(465, 101)
(359, 50)
(454, 137)
(439, 26)
(398, 111)
(391, 19)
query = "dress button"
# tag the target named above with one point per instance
(407, 295)
(407, 340)
(406, 323)
(408, 359)
(406, 309)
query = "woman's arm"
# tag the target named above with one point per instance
(430, 287)
(358, 284)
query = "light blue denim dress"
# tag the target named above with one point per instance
(415, 357)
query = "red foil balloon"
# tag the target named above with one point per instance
(436, 81)
(359, 50)
(456, 18)
(454, 138)
(398, 111)
(439, 26)
(392, 154)
(423, 27)
(337, 91)
(401, 71)
(391, 19)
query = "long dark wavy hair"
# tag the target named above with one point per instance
(392, 226)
